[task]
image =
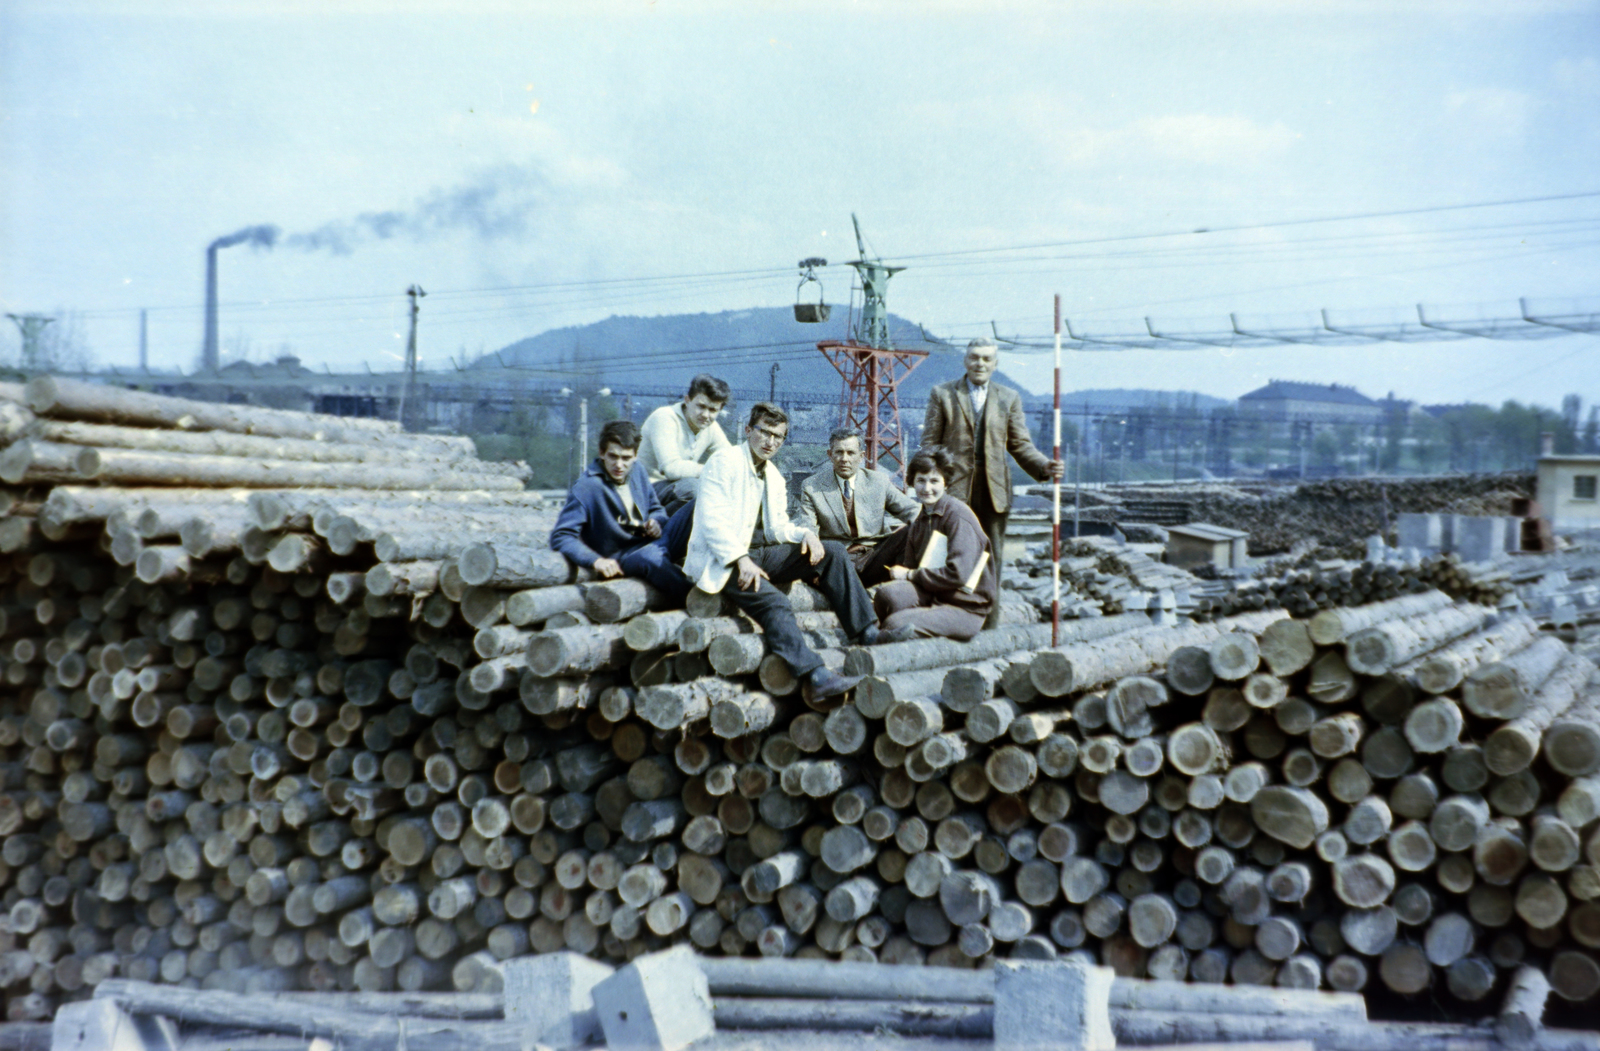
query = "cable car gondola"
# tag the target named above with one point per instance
(810, 313)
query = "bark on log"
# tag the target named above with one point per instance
(920, 654)
(504, 566)
(1445, 669)
(1513, 746)
(231, 443)
(1286, 647)
(1081, 666)
(1571, 743)
(1375, 650)
(653, 631)
(613, 601)
(1332, 626)
(29, 462)
(138, 467)
(356, 1029)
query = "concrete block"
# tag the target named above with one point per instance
(102, 1025)
(1064, 1005)
(1420, 530)
(1478, 539)
(1377, 550)
(659, 1002)
(552, 997)
(1513, 528)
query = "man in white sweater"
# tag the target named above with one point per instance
(679, 438)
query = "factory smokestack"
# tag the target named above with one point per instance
(264, 236)
(208, 354)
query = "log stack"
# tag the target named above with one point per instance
(1310, 585)
(336, 738)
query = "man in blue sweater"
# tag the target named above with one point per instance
(613, 522)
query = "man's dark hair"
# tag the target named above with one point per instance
(932, 459)
(841, 433)
(713, 388)
(762, 411)
(619, 432)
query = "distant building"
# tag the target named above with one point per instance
(1287, 400)
(1569, 491)
(1201, 544)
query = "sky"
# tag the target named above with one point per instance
(534, 165)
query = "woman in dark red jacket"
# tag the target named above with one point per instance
(948, 582)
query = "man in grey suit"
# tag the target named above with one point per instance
(981, 422)
(850, 502)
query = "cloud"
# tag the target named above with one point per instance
(1580, 76)
(1493, 113)
(1189, 138)
(1200, 138)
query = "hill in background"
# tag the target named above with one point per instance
(658, 355)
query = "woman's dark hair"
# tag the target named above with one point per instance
(931, 459)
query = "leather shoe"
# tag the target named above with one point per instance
(871, 637)
(824, 683)
(904, 633)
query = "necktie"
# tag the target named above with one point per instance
(850, 508)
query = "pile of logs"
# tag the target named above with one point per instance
(1314, 585)
(331, 739)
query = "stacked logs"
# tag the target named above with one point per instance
(330, 739)
(1314, 585)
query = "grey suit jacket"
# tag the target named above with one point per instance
(821, 507)
(949, 423)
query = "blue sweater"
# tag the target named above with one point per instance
(587, 528)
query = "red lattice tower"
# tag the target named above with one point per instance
(870, 401)
(871, 367)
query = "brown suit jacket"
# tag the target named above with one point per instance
(950, 423)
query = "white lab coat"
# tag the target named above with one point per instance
(725, 513)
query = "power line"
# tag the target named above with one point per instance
(1351, 217)
(764, 273)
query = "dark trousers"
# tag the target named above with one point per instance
(901, 603)
(676, 536)
(994, 526)
(657, 561)
(674, 493)
(767, 606)
(873, 565)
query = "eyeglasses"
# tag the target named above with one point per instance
(772, 436)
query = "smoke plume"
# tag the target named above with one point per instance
(498, 203)
(264, 235)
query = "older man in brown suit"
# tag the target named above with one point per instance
(979, 422)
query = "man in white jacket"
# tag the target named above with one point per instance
(679, 438)
(742, 535)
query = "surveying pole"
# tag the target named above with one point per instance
(1055, 501)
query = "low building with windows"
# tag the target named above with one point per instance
(1569, 491)
(1318, 402)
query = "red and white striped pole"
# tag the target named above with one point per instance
(1055, 503)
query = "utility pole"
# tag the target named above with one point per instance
(583, 423)
(415, 292)
(772, 382)
(144, 340)
(32, 327)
